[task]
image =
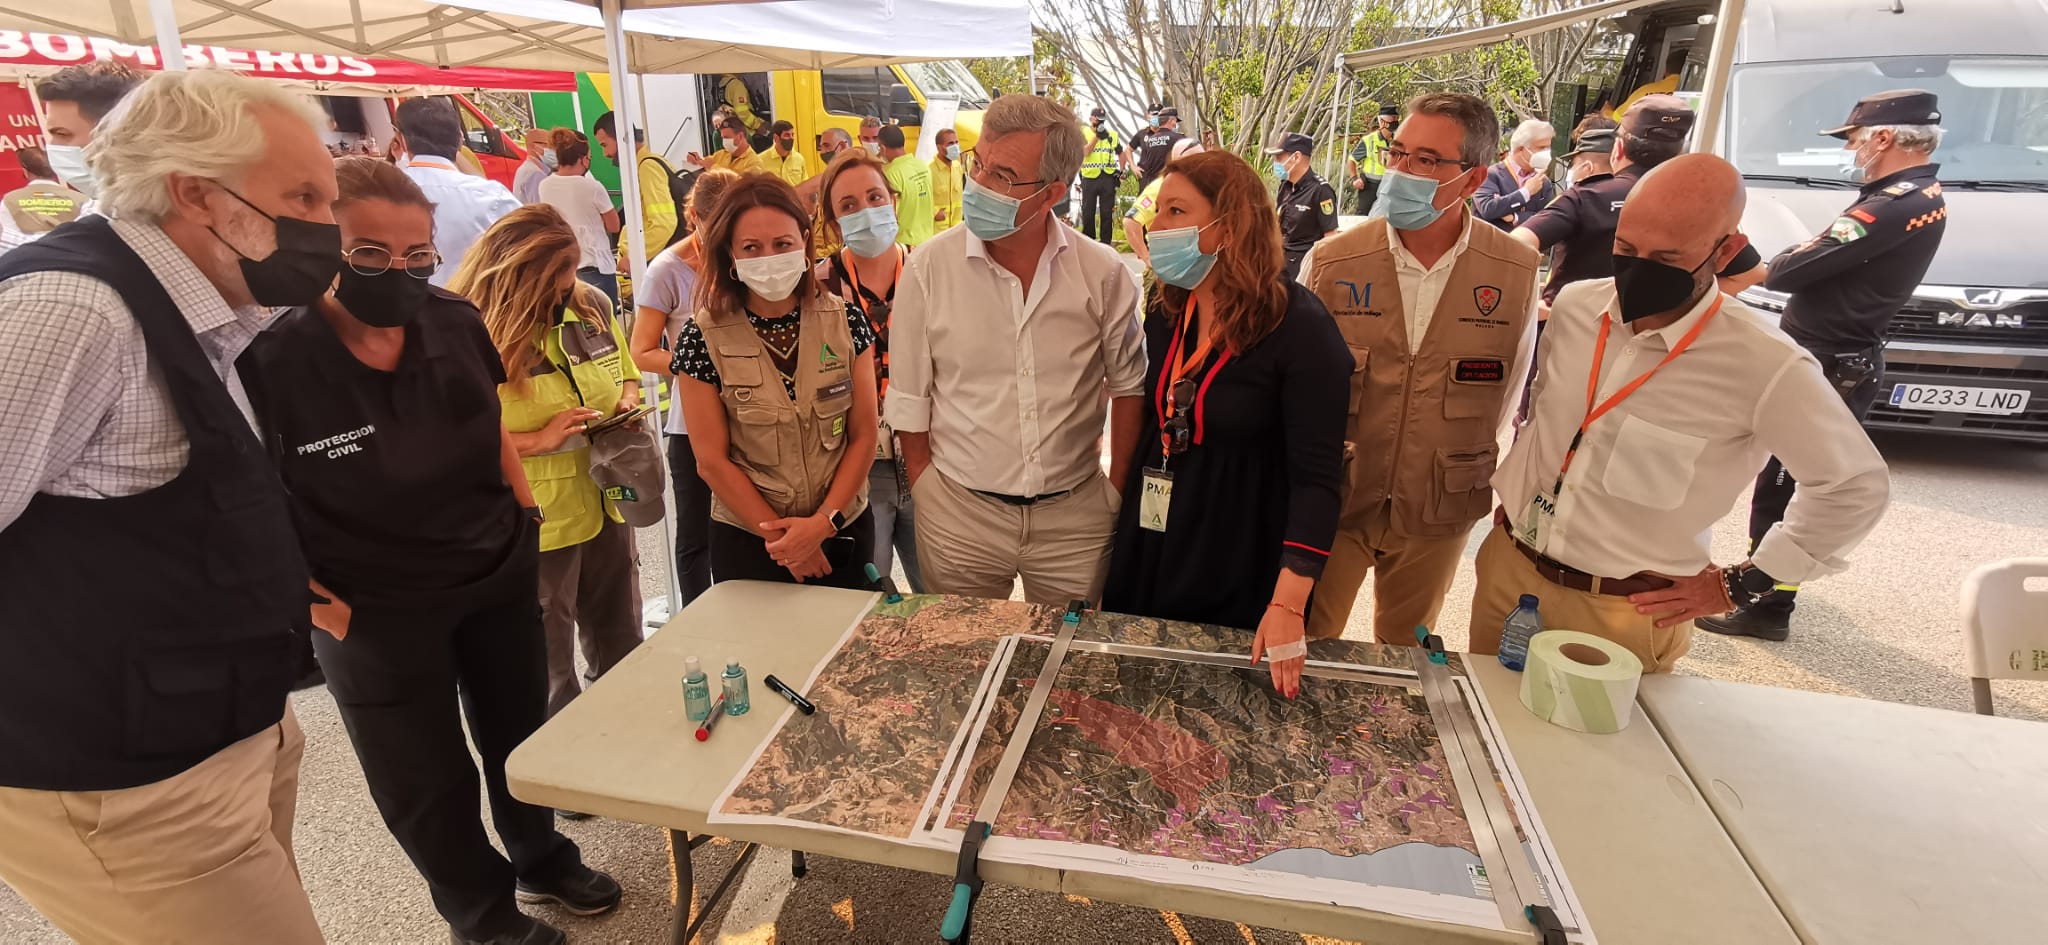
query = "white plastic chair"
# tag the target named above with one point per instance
(2005, 625)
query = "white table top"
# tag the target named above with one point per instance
(1872, 822)
(1642, 849)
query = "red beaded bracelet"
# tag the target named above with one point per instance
(1290, 610)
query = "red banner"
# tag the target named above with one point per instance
(19, 128)
(56, 50)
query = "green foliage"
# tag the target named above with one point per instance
(1013, 73)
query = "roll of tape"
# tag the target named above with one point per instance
(1580, 682)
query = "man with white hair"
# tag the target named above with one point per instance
(1845, 285)
(1519, 186)
(149, 761)
(1010, 333)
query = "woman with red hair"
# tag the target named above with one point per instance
(1242, 450)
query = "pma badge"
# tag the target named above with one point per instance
(1487, 298)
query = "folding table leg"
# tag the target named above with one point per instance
(797, 867)
(679, 848)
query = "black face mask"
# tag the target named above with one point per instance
(388, 299)
(1646, 287)
(299, 271)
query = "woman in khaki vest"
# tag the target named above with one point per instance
(1241, 455)
(777, 382)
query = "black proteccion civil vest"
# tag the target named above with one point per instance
(141, 634)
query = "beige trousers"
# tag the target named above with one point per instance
(1410, 577)
(1504, 575)
(201, 858)
(974, 546)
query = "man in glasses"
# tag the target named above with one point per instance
(1439, 315)
(1308, 204)
(1010, 335)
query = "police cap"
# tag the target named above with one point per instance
(1597, 141)
(1896, 107)
(1658, 118)
(1296, 142)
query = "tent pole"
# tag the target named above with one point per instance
(170, 45)
(1336, 111)
(1720, 59)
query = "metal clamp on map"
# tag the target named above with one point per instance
(1547, 925)
(1433, 643)
(1075, 608)
(883, 584)
(966, 885)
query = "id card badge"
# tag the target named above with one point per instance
(1534, 529)
(1155, 499)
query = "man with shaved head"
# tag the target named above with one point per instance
(1657, 400)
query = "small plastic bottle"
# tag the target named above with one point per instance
(696, 691)
(1524, 623)
(734, 680)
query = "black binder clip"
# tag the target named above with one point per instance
(1075, 608)
(1433, 643)
(1547, 925)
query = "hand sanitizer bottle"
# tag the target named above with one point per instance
(696, 691)
(735, 682)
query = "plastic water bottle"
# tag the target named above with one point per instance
(696, 691)
(1524, 623)
(734, 679)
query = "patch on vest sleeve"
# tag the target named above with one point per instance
(1480, 371)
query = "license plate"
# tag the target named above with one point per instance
(1946, 399)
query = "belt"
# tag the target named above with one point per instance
(1564, 575)
(1020, 499)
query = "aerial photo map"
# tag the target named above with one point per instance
(890, 703)
(1202, 761)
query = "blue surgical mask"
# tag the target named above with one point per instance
(952, 152)
(1279, 170)
(990, 215)
(69, 163)
(869, 232)
(548, 159)
(1410, 200)
(1177, 257)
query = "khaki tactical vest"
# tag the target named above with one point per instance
(41, 207)
(1423, 424)
(790, 450)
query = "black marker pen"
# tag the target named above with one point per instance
(802, 705)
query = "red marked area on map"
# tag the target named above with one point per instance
(1179, 763)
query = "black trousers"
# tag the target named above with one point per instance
(1774, 485)
(1362, 199)
(397, 678)
(1098, 207)
(741, 555)
(693, 521)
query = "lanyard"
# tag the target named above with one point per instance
(1613, 400)
(853, 278)
(1180, 362)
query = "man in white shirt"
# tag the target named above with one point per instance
(1440, 317)
(539, 163)
(1689, 392)
(464, 206)
(1009, 334)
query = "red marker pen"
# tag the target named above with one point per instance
(717, 712)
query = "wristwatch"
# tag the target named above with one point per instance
(1746, 584)
(838, 520)
(533, 512)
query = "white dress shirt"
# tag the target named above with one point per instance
(464, 207)
(82, 411)
(1656, 472)
(1009, 383)
(582, 201)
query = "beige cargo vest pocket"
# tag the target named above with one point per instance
(1461, 487)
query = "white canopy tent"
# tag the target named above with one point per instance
(1719, 58)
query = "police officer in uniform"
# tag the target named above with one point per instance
(1845, 285)
(1101, 172)
(1155, 146)
(1308, 204)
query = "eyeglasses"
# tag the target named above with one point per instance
(1423, 163)
(375, 261)
(1179, 429)
(985, 173)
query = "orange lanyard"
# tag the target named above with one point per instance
(1180, 363)
(1613, 400)
(853, 278)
